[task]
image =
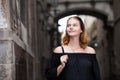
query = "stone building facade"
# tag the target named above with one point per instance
(23, 39)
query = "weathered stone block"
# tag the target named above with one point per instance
(6, 55)
(6, 71)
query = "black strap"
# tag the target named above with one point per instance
(62, 49)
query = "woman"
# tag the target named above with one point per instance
(74, 59)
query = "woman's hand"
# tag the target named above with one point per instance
(63, 60)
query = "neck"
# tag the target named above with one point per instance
(74, 42)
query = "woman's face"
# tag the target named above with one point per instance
(73, 27)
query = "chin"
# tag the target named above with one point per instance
(71, 34)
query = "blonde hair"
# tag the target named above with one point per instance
(82, 39)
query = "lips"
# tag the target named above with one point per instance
(71, 31)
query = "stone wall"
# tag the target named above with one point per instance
(17, 40)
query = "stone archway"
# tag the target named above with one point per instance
(85, 11)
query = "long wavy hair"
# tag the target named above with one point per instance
(83, 41)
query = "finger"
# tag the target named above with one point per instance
(66, 56)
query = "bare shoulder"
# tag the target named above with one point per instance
(91, 50)
(57, 50)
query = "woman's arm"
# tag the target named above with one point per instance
(56, 64)
(63, 60)
(60, 69)
(51, 67)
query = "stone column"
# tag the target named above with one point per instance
(6, 51)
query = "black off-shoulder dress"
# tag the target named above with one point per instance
(80, 66)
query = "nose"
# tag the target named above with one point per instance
(71, 27)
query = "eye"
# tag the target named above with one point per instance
(74, 25)
(68, 25)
